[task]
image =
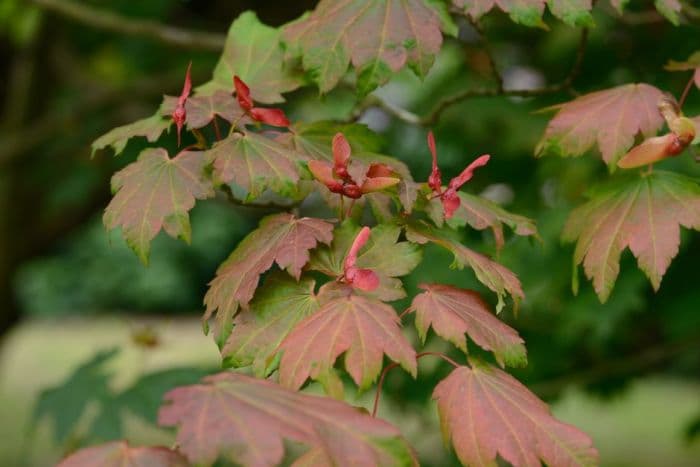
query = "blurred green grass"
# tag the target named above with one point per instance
(642, 427)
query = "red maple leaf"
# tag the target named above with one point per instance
(337, 178)
(274, 117)
(449, 198)
(179, 114)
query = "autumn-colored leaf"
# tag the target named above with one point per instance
(691, 64)
(279, 305)
(496, 277)
(609, 119)
(361, 327)
(246, 420)
(120, 454)
(383, 254)
(157, 192)
(150, 128)
(487, 413)
(642, 213)
(529, 12)
(315, 139)
(280, 238)
(480, 213)
(452, 312)
(379, 37)
(253, 52)
(255, 163)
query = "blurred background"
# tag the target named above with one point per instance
(90, 339)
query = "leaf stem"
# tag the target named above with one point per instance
(686, 91)
(393, 365)
(341, 214)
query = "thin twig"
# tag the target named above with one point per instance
(489, 52)
(563, 85)
(688, 86)
(109, 21)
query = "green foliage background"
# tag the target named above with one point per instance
(67, 83)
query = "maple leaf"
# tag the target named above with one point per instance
(200, 110)
(670, 9)
(529, 12)
(119, 454)
(361, 327)
(379, 37)
(157, 192)
(282, 239)
(150, 128)
(486, 413)
(255, 163)
(279, 305)
(481, 213)
(253, 52)
(496, 277)
(610, 118)
(246, 419)
(691, 64)
(384, 255)
(315, 139)
(642, 213)
(452, 312)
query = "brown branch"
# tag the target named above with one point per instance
(109, 21)
(563, 85)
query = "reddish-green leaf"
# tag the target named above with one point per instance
(692, 63)
(157, 192)
(670, 9)
(379, 37)
(314, 139)
(255, 163)
(383, 254)
(363, 328)
(254, 53)
(279, 305)
(642, 213)
(529, 12)
(246, 420)
(150, 128)
(120, 454)
(494, 276)
(201, 109)
(609, 119)
(280, 238)
(486, 413)
(480, 213)
(452, 312)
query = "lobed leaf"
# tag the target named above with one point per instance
(480, 213)
(120, 454)
(383, 254)
(246, 419)
(282, 239)
(642, 213)
(486, 413)
(150, 128)
(279, 305)
(609, 119)
(200, 110)
(255, 163)
(379, 37)
(157, 192)
(452, 312)
(529, 12)
(496, 277)
(253, 52)
(362, 327)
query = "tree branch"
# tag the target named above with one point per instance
(109, 21)
(434, 115)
